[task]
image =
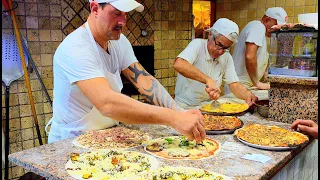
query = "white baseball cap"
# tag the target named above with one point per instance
(277, 13)
(227, 28)
(123, 5)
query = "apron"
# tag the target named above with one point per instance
(94, 120)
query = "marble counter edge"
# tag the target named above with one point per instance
(312, 81)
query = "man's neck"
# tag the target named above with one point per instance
(102, 41)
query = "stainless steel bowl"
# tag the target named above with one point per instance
(263, 108)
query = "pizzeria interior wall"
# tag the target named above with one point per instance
(45, 24)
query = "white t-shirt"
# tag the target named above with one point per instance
(253, 32)
(189, 92)
(77, 59)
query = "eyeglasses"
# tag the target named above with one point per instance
(220, 46)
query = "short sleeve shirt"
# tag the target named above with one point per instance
(77, 59)
(253, 32)
(191, 92)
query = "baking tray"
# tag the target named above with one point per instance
(218, 132)
(270, 148)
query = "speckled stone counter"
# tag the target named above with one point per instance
(292, 98)
(49, 160)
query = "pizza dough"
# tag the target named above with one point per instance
(180, 148)
(113, 138)
(109, 164)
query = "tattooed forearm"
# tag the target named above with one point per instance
(150, 87)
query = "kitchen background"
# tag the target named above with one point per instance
(168, 24)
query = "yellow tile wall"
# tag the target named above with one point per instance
(44, 24)
(244, 11)
(40, 23)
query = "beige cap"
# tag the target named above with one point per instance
(123, 5)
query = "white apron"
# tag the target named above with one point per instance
(94, 120)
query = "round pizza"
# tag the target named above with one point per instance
(272, 136)
(179, 173)
(227, 108)
(109, 164)
(115, 138)
(219, 123)
(180, 148)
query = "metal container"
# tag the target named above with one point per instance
(263, 108)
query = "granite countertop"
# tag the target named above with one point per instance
(49, 160)
(293, 80)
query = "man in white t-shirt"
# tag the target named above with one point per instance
(250, 55)
(87, 83)
(204, 63)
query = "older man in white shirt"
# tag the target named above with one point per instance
(204, 63)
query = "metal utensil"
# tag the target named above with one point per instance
(215, 104)
(11, 71)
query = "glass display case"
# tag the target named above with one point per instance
(293, 52)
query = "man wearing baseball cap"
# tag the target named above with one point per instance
(250, 54)
(87, 83)
(204, 63)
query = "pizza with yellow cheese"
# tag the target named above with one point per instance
(272, 136)
(109, 165)
(180, 148)
(182, 173)
(116, 138)
(220, 123)
(228, 108)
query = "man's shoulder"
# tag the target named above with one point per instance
(76, 39)
(255, 25)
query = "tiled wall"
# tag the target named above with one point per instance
(244, 11)
(40, 23)
(46, 23)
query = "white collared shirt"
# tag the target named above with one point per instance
(189, 92)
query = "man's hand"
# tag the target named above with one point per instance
(307, 126)
(262, 86)
(190, 124)
(212, 89)
(250, 98)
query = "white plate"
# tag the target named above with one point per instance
(153, 161)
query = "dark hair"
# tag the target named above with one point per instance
(103, 5)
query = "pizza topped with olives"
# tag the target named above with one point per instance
(109, 164)
(272, 136)
(179, 147)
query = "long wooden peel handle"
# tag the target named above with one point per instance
(26, 75)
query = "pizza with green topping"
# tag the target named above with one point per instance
(179, 147)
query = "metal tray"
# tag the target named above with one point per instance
(227, 114)
(270, 148)
(230, 131)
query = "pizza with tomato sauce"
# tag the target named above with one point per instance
(180, 148)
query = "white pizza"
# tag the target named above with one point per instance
(109, 164)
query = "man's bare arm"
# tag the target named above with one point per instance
(241, 92)
(127, 110)
(251, 62)
(149, 87)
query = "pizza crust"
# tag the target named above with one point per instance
(270, 136)
(113, 138)
(198, 152)
(228, 108)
